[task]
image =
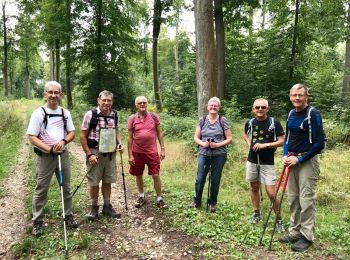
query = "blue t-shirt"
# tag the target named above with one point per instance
(213, 131)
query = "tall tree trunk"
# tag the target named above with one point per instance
(205, 61)
(220, 47)
(157, 14)
(98, 46)
(5, 42)
(294, 44)
(58, 60)
(27, 77)
(176, 47)
(263, 13)
(346, 80)
(69, 56)
(52, 64)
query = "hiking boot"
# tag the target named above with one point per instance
(301, 245)
(288, 239)
(194, 205)
(161, 204)
(255, 218)
(37, 229)
(279, 226)
(140, 202)
(71, 222)
(212, 208)
(93, 214)
(108, 211)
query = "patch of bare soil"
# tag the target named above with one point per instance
(13, 218)
(140, 233)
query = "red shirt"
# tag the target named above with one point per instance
(144, 132)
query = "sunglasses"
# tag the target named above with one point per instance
(260, 107)
(142, 103)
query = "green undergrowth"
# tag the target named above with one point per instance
(13, 122)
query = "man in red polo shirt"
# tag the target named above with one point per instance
(143, 131)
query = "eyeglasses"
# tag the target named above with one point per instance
(297, 95)
(260, 107)
(53, 93)
(142, 103)
(213, 106)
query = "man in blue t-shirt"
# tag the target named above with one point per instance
(263, 134)
(304, 140)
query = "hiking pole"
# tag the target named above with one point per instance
(259, 177)
(272, 204)
(209, 177)
(62, 201)
(279, 208)
(77, 188)
(121, 161)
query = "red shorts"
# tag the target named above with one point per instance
(141, 159)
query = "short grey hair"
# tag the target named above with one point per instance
(300, 86)
(105, 93)
(53, 84)
(262, 99)
(140, 97)
(214, 99)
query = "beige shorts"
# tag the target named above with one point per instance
(105, 170)
(267, 173)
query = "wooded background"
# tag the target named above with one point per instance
(243, 49)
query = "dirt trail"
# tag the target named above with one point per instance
(140, 233)
(13, 218)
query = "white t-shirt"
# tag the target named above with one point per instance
(55, 127)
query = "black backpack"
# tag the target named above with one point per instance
(95, 118)
(46, 116)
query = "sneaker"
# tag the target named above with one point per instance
(301, 245)
(161, 204)
(194, 205)
(108, 211)
(255, 218)
(140, 202)
(288, 239)
(71, 222)
(93, 214)
(279, 226)
(212, 208)
(37, 229)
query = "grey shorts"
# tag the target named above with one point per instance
(105, 170)
(267, 173)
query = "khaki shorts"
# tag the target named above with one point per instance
(105, 170)
(267, 173)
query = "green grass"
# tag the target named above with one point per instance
(226, 234)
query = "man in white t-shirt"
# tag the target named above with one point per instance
(50, 130)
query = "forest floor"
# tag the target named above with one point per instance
(140, 233)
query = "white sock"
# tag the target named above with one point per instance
(159, 198)
(142, 195)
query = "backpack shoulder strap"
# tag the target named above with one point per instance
(64, 120)
(203, 122)
(222, 126)
(272, 127)
(287, 132)
(93, 120)
(309, 122)
(133, 121)
(45, 117)
(250, 128)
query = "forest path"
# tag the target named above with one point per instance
(140, 233)
(13, 216)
